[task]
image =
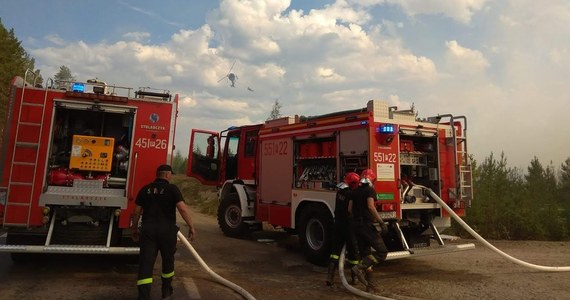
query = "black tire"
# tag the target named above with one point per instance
(229, 216)
(25, 238)
(315, 233)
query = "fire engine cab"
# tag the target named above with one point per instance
(285, 171)
(74, 155)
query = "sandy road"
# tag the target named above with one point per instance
(277, 270)
(269, 265)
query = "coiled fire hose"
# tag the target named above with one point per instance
(217, 277)
(487, 244)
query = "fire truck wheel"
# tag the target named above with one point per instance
(229, 216)
(315, 230)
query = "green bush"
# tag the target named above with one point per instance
(201, 197)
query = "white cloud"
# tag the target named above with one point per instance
(155, 53)
(232, 106)
(464, 60)
(327, 74)
(187, 101)
(55, 39)
(512, 81)
(137, 36)
(300, 58)
(460, 10)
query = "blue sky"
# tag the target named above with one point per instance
(504, 64)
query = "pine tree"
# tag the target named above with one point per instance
(541, 210)
(563, 193)
(275, 111)
(63, 77)
(14, 61)
(496, 191)
(179, 163)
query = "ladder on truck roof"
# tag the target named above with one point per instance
(25, 154)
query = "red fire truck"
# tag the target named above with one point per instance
(73, 159)
(284, 172)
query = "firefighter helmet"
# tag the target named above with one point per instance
(352, 179)
(367, 176)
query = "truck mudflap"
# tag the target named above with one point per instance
(429, 251)
(70, 249)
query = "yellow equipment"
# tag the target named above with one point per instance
(91, 153)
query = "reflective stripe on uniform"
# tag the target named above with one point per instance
(144, 281)
(353, 262)
(373, 258)
(168, 275)
(333, 256)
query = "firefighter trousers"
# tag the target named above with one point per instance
(343, 234)
(367, 238)
(156, 237)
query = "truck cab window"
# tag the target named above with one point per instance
(232, 152)
(250, 143)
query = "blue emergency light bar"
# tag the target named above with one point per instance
(78, 87)
(387, 128)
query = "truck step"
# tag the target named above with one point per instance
(430, 251)
(23, 163)
(30, 123)
(75, 249)
(20, 183)
(32, 104)
(27, 144)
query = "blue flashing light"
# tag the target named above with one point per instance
(387, 128)
(78, 87)
(363, 122)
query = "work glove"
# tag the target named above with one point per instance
(135, 235)
(383, 228)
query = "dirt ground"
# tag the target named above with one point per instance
(275, 269)
(269, 265)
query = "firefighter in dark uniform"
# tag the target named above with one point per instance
(363, 210)
(157, 202)
(343, 231)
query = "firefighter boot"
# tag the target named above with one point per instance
(330, 273)
(352, 275)
(144, 291)
(360, 269)
(167, 288)
(371, 286)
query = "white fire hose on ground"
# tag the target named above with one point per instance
(484, 242)
(217, 277)
(466, 227)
